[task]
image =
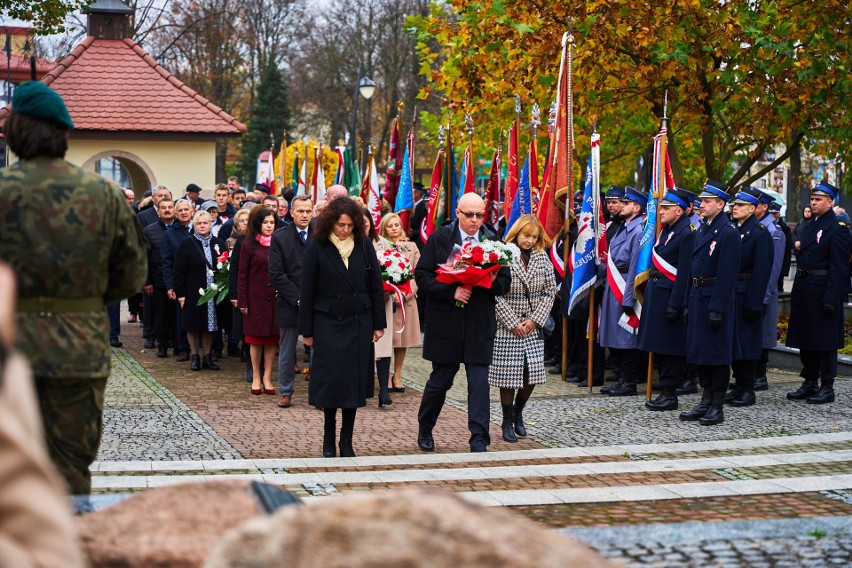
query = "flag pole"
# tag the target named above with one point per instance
(568, 45)
(659, 181)
(592, 327)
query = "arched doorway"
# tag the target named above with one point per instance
(123, 168)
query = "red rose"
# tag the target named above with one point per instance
(224, 257)
(477, 256)
(401, 265)
(387, 263)
(492, 257)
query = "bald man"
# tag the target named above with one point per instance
(335, 191)
(458, 335)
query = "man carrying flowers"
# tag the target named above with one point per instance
(454, 334)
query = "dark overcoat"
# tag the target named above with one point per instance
(715, 254)
(255, 291)
(457, 335)
(770, 300)
(154, 234)
(285, 273)
(190, 275)
(624, 252)
(339, 308)
(824, 247)
(657, 335)
(755, 268)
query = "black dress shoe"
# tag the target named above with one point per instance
(745, 398)
(688, 387)
(595, 383)
(732, 394)
(823, 396)
(557, 370)
(346, 450)
(626, 389)
(149, 344)
(195, 363)
(713, 416)
(760, 384)
(478, 449)
(550, 361)
(618, 385)
(808, 389)
(162, 352)
(425, 441)
(207, 363)
(115, 342)
(662, 403)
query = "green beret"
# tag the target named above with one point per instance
(37, 100)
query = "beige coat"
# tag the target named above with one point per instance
(36, 527)
(410, 335)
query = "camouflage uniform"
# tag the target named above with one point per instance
(75, 247)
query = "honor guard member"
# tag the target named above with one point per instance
(694, 212)
(619, 324)
(770, 300)
(713, 273)
(752, 280)
(663, 331)
(75, 246)
(816, 301)
(613, 225)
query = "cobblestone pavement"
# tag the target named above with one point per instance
(772, 485)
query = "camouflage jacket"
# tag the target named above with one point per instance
(68, 233)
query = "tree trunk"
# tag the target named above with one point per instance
(674, 159)
(795, 198)
(221, 155)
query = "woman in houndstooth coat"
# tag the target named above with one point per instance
(518, 362)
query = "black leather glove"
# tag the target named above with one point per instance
(828, 309)
(628, 310)
(671, 314)
(751, 315)
(715, 320)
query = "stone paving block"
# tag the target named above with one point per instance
(119, 482)
(135, 465)
(524, 497)
(757, 486)
(168, 480)
(192, 465)
(585, 495)
(640, 493)
(481, 497)
(700, 489)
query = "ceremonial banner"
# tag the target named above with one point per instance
(294, 177)
(303, 176)
(522, 204)
(370, 190)
(492, 190)
(436, 206)
(340, 175)
(585, 255)
(405, 194)
(393, 169)
(512, 173)
(353, 174)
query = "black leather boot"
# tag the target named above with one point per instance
(761, 384)
(619, 385)
(624, 389)
(195, 363)
(808, 388)
(520, 427)
(714, 415)
(425, 441)
(328, 434)
(346, 450)
(666, 401)
(824, 395)
(700, 409)
(508, 425)
(207, 363)
(347, 426)
(746, 396)
(735, 392)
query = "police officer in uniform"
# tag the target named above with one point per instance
(76, 247)
(663, 331)
(770, 300)
(710, 319)
(618, 305)
(816, 301)
(752, 280)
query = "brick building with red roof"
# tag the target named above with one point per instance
(128, 107)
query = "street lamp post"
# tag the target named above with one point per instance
(366, 87)
(8, 49)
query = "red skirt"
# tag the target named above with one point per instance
(262, 340)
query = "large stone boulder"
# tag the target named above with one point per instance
(173, 526)
(405, 528)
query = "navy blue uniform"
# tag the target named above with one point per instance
(713, 276)
(756, 255)
(656, 335)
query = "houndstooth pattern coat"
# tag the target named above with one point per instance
(537, 280)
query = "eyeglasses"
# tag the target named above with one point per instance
(472, 215)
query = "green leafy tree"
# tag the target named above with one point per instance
(269, 115)
(46, 16)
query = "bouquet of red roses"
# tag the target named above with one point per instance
(396, 276)
(472, 265)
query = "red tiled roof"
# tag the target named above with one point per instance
(114, 85)
(20, 67)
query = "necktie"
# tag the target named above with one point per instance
(469, 240)
(304, 236)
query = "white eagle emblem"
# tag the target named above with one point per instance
(585, 231)
(819, 235)
(712, 248)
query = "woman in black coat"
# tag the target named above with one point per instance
(341, 315)
(195, 260)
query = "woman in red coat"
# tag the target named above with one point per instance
(256, 298)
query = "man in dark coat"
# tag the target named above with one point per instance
(770, 300)
(789, 243)
(663, 331)
(151, 215)
(816, 302)
(184, 210)
(193, 195)
(756, 257)
(713, 273)
(162, 310)
(285, 273)
(458, 335)
(145, 218)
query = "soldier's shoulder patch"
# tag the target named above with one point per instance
(693, 228)
(762, 227)
(843, 223)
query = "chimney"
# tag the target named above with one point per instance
(109, 19)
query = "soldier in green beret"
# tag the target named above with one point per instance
(75, 247)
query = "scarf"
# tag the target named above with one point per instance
(263, 241)
(344, 247)
(208, 257)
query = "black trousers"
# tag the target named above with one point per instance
(818, 364)
(744, 369)
(714, 377)
(478, 405)
(763, 363)
(578, 352)
(162, 317)
(147, 317)
(632, 364)
(670, 368)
